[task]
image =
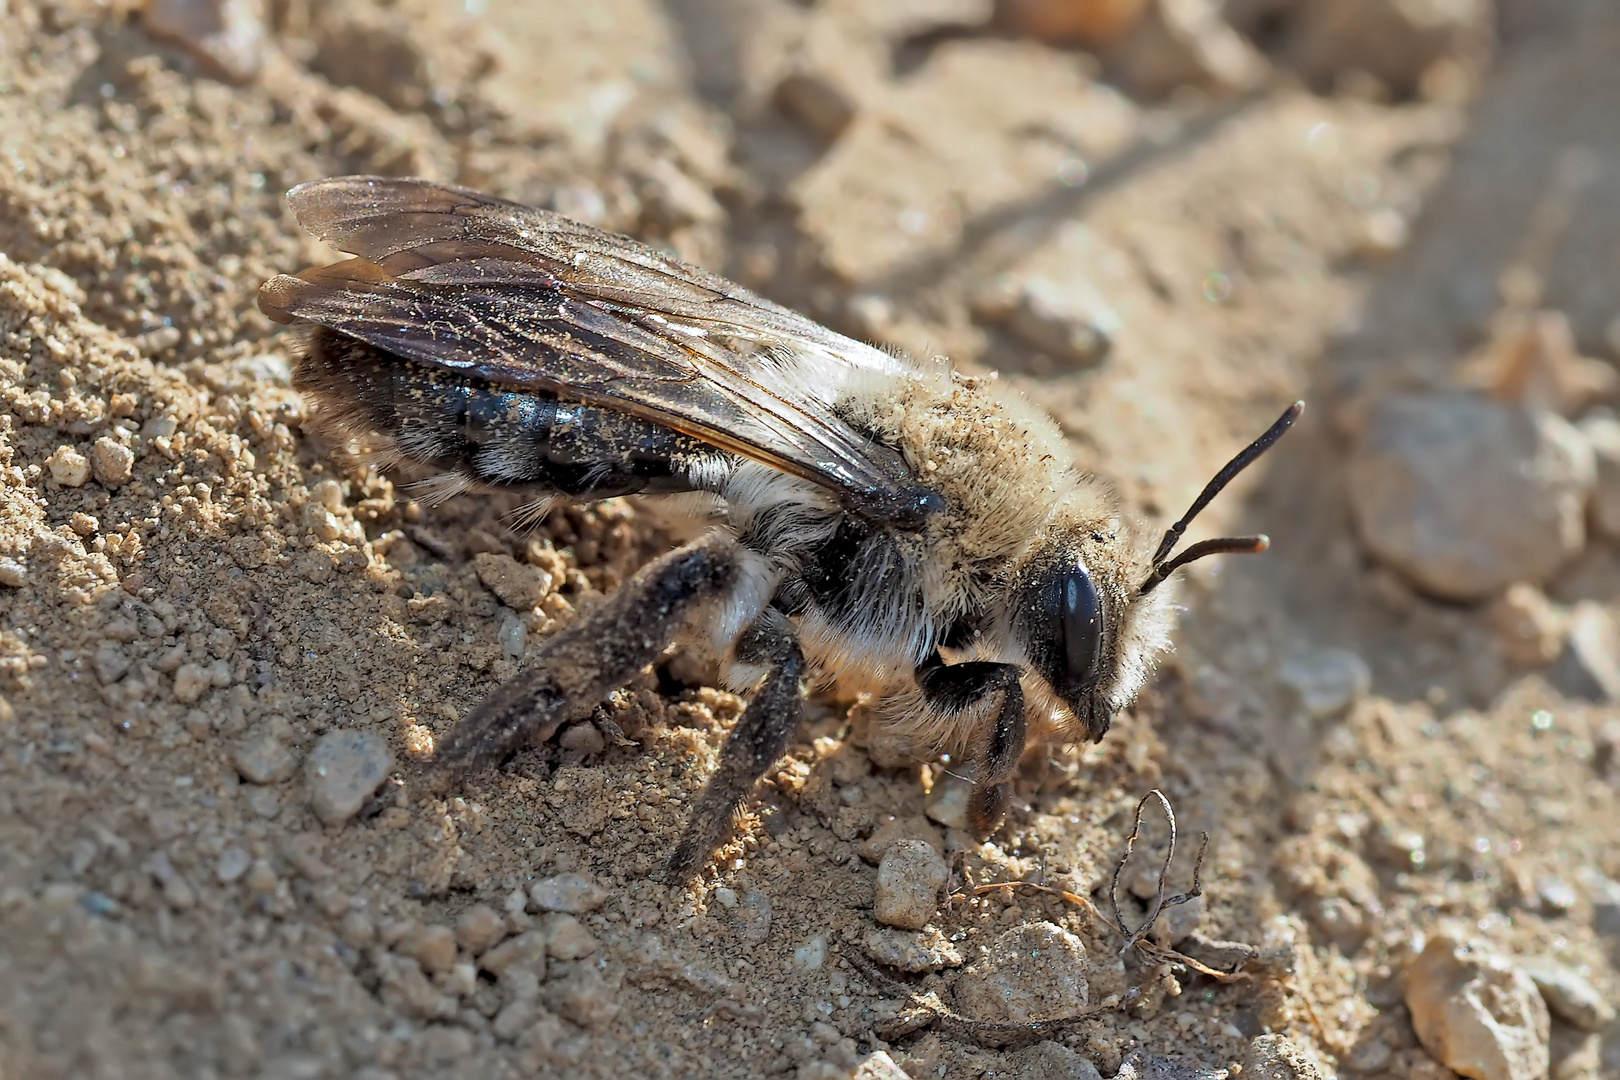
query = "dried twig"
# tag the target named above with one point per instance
(1160, 901)
(926, 1010)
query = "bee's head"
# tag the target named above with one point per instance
(1088, 608)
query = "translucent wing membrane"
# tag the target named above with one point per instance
(527, 298)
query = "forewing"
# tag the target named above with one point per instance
(460, 280)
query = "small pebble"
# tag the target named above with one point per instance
(1557, 895)
(480, 927)
(583, 997)
(262, 759)
(68, 467)
(1590, 667)
(584, 740)
(1447, 990)
(1051, 1061)
(434, 947)
(1466, 496)
(566, 937)
(1325, 682)
(912, 951)
(191, 681)
(357, 928)
(113, 463)
(908, 882)
(13, 573)
(573, 893)
(1275, 1057)
(1176, 924)
(811, 955)
(517, 585)
(1603, 433)
(948, 801)
(726, 898)
(1032, 972)
(110, 664)
(1570, 996)
(916, 827)
(880, 1066)
(1528, 625)
(264, 802)
(754, 917)
(343, 770)
(527, 950)
(1142, 1065)
(233, 863)
(514, 637)
(227, 36)
(514, 1019)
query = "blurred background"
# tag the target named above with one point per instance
(1161, 219)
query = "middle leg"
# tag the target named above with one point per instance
(758, 740)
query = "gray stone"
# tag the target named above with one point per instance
(1466, 496)
(1052, 1061)
(343, 770)
(1570, 996)
(1325, 682)
(908, 882)
(1476, 1013)
(911, 950)
(573, 893)
(1033, 972)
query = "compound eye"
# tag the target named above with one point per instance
(1080, 612)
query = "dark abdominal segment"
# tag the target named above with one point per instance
(498, 436)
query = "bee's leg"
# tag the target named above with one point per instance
(759, 738)
(577, 668)
(997, 742)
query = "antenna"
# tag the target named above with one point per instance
(1163, 565)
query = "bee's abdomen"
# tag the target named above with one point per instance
(496, 436)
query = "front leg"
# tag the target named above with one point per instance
(998, 738)
(758, 740)
(577, 668)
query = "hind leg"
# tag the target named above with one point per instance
(577, 668)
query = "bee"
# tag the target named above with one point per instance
(867, 522)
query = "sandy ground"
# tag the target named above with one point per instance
(193, 595)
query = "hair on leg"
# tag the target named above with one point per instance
(998, 740)
(577, 668)
(759, 738)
